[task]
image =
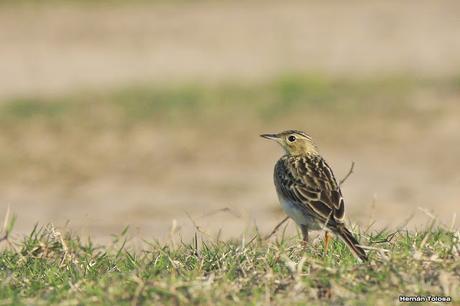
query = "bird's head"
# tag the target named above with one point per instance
(293, 142)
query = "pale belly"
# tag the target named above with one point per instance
(297, 215)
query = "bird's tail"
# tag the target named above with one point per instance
(351, 242)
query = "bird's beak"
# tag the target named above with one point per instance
(270, 136)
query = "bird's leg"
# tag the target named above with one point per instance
(327, 238)
(304, 229)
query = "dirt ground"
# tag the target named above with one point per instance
(228, 188)
(53, 50)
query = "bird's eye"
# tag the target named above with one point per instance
(291, 138)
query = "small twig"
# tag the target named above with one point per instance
(194, 223)
(195, 245)
(276, 228)
(348, 174)
(197, 227)
(372, 215)
(406, 222)
(257, 235)
(425, 239)
(4, 237)
(435, 218)
(454, 219)
(366, 247)
(427, 212)
(252, 239)
(327, 220)
(388, 238)
(7, 218)
(6, 230)
(225, 209)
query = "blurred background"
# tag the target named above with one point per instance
(147, 114)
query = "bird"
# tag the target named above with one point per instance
(308, 191)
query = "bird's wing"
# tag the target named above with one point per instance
(309, 182)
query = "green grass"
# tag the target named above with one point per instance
(291, 94)
(40, 135)
(50, 267)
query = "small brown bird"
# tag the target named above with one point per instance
(308, 190)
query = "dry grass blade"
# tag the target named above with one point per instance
(8, 224)
(352, 168)
(273, 232)
(225, 209)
